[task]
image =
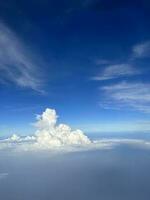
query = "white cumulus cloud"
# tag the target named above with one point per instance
(48, 134)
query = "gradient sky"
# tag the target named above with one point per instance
(87, 59)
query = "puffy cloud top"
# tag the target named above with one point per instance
(50, 134)
(47, 120)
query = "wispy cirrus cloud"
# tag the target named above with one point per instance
(116, 71)
(17, 63)
(141, 50)
(113, 71)
(132, 95)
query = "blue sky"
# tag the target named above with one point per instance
(87, 59)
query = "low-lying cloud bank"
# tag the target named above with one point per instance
(50, 136)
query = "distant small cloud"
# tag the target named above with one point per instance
(116, 71)
(17, 64)
(141, 50)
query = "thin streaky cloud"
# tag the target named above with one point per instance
(17, 64)
(116, 71)
(132, 95)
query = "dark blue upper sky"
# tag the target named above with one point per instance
(87, 59)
